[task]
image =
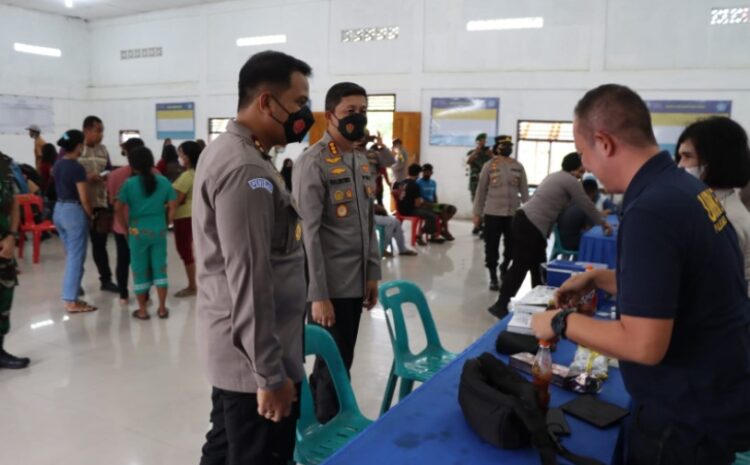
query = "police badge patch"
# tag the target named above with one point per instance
(261, 183)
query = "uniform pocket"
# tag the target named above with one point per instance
(341, 190)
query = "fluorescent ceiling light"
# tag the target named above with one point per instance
(261, 40)
(37, 50)
(505, 24)
(69, 3)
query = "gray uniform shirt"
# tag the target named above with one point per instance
(552, 196)
(249, 258)
(502, 187)
(335, 190)
(401, 168)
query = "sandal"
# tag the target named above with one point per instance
(187, 292)
(163, 315)
(137, 315)
(79, 306)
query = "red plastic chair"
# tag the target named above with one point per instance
(416, 226)
(26, 202)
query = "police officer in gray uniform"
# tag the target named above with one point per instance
(333, 183)
(502, 187)
(250, 269)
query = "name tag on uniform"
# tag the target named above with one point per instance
(261, 183)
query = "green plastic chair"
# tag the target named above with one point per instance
(742, 458)
(317, 442)
(381, 238)
(406, 365)
(559, 250)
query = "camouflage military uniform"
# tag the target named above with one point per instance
(475, 168)
(7, 267)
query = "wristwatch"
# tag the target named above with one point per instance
(560, 322)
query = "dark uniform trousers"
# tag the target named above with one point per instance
(123, 264)
(496, 227)
(652, 439)
(528, 254)
(348, 313)
(101, 258)
(239, 436)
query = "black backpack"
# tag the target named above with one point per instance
(502, 408)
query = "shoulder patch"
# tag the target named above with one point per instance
(261, 183)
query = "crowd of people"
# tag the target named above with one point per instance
(263, 247)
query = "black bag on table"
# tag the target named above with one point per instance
(501, 406)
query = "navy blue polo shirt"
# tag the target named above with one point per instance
(678, 258)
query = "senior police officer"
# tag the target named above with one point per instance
(250, 269)
(333, 183)
(682, 334)
(502, 187)
(380, 158)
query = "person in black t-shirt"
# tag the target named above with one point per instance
(410, 204)
(682, 334)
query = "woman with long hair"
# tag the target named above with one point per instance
(146, 195)
(169, 165)
(72, 217)
(183, 221)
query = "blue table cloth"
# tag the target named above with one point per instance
(427, 427)
(595, 247)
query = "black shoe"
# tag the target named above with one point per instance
(12, 362)
(494, 286)
(110, 287)
(421, 241)
(475, 231)
(437, 240)
(498, 310)
(448, 236)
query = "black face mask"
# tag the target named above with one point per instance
(352, 127)
(297, 124)
(505, 151)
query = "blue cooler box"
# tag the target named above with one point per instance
(560, 270)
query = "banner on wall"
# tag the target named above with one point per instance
(175, 121)
(18, 113)
(456, 122)
(670, 117)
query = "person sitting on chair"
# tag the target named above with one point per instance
(411, 203)
(428, 192)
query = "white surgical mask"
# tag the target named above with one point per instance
(695, 171)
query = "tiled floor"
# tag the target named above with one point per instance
(104, 389)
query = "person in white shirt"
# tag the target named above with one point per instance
(715, 150)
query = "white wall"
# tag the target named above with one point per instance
(62, 79)
(664, 50)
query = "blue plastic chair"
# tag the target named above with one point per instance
(406, 365)
(558, 249)
(381, 238)
(316, 442)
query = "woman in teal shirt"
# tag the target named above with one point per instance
(146, 195)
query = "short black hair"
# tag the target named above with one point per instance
(269, 68)
(427, 167)
(619, 111)
(340, 91)
(721, 145)
(396, 141)
(49, 154)
(192, 151)
(414, 169)
(571, 162)
(131, 144)
(590, 185)
(70, 140)
(90, 121)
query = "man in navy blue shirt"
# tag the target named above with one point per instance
(682, 336)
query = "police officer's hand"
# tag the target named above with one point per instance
(572, 290)
(371, 295)
(323, 314)
(277, 404)
(607, 229)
